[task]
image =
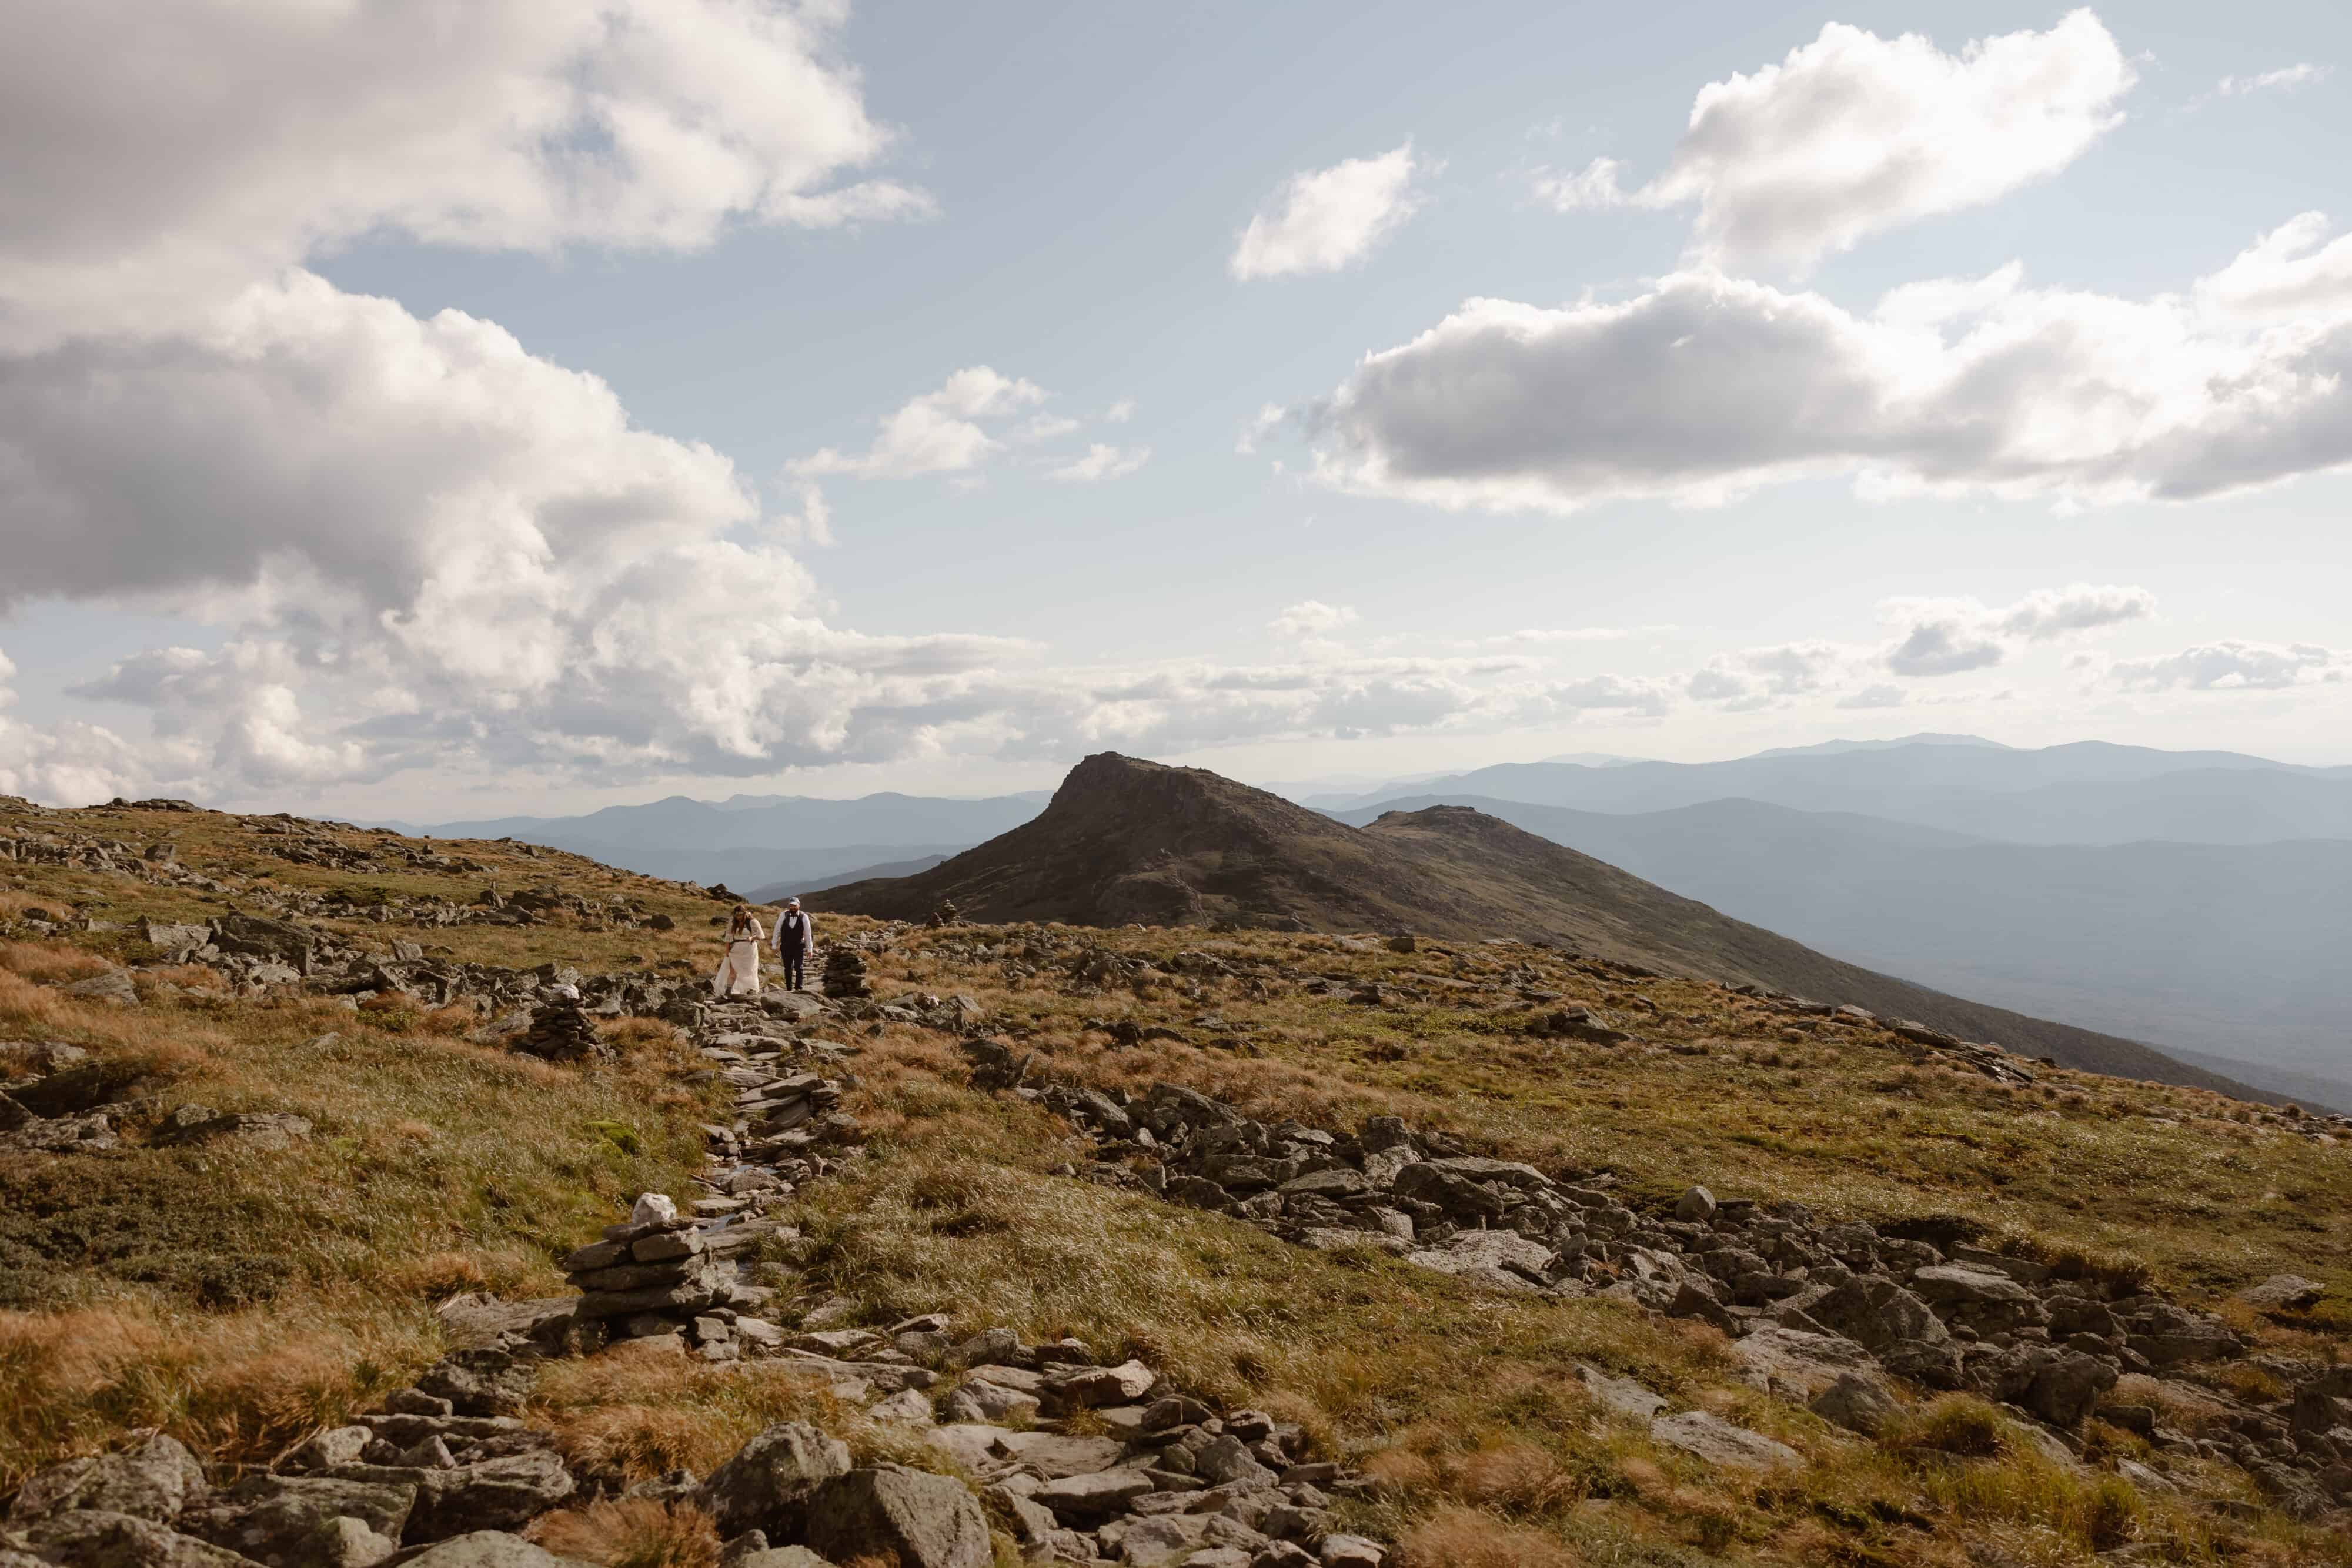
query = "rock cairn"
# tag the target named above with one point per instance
(844, 972)
(657, 1274)
(561, 1030)
(947, 914)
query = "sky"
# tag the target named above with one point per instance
(449, 409)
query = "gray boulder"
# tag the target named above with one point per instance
(99, 1538)
(494, 1495)
(769, 1482)
(295, 1521)
(2068, 1388)
(1987, 1302)
(918, 1519)
(1856, 1403)
(1796, 1364)
(263, 937)
(1092, 1388)
(1090, 1498)
(1622, 1395)
(1502, 1259)
(488, 1549)
(1719, 1442)
(1427, 1181)
(1225, 1461)
(114, 986)
(486, 1382)
(1875, 1312)
(327, 1450)
(2169, 1335)
(2283, 1293)
(153, 1481)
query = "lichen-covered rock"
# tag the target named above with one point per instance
(488, 1549)
(1856, 1403)
(498, 1494)
(920, 1519)
(768, 1484)
(153, 1481)
(290, 1522)
(1719, 1442)
(99, 1538)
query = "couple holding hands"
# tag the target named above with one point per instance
(739, 967)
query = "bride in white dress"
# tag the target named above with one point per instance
(738, 971)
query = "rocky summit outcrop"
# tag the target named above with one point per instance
(1128, 841)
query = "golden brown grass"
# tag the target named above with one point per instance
(1457, 1537)
(49, 963)
(631, 1533)
(240, 1387)
(640, 1409)
(240, 1297)
(443, 1166)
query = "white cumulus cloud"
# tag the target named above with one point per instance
(941, 432)
(1853, 134)
(1321, 221)
(73, 761)
(1101, 462)
(2234, 666)
(1705, 387)
(1762, 677)
(426, 546)
(2286, 79)
(1313, 618)
(1953, 636)
(160, 151)
(2293, 270)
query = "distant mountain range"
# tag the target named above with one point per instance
(1126, 839)
(2233, 949)
(763, 841)
(2086, 793)
(771, 822)
(776, 892)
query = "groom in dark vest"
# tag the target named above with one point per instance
(795, 940)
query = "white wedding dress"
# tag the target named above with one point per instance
(738, 971)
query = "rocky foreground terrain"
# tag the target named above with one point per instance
(376, 1200)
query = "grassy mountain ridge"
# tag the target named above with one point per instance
(1131, 841)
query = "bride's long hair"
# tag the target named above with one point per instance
(741, 923)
